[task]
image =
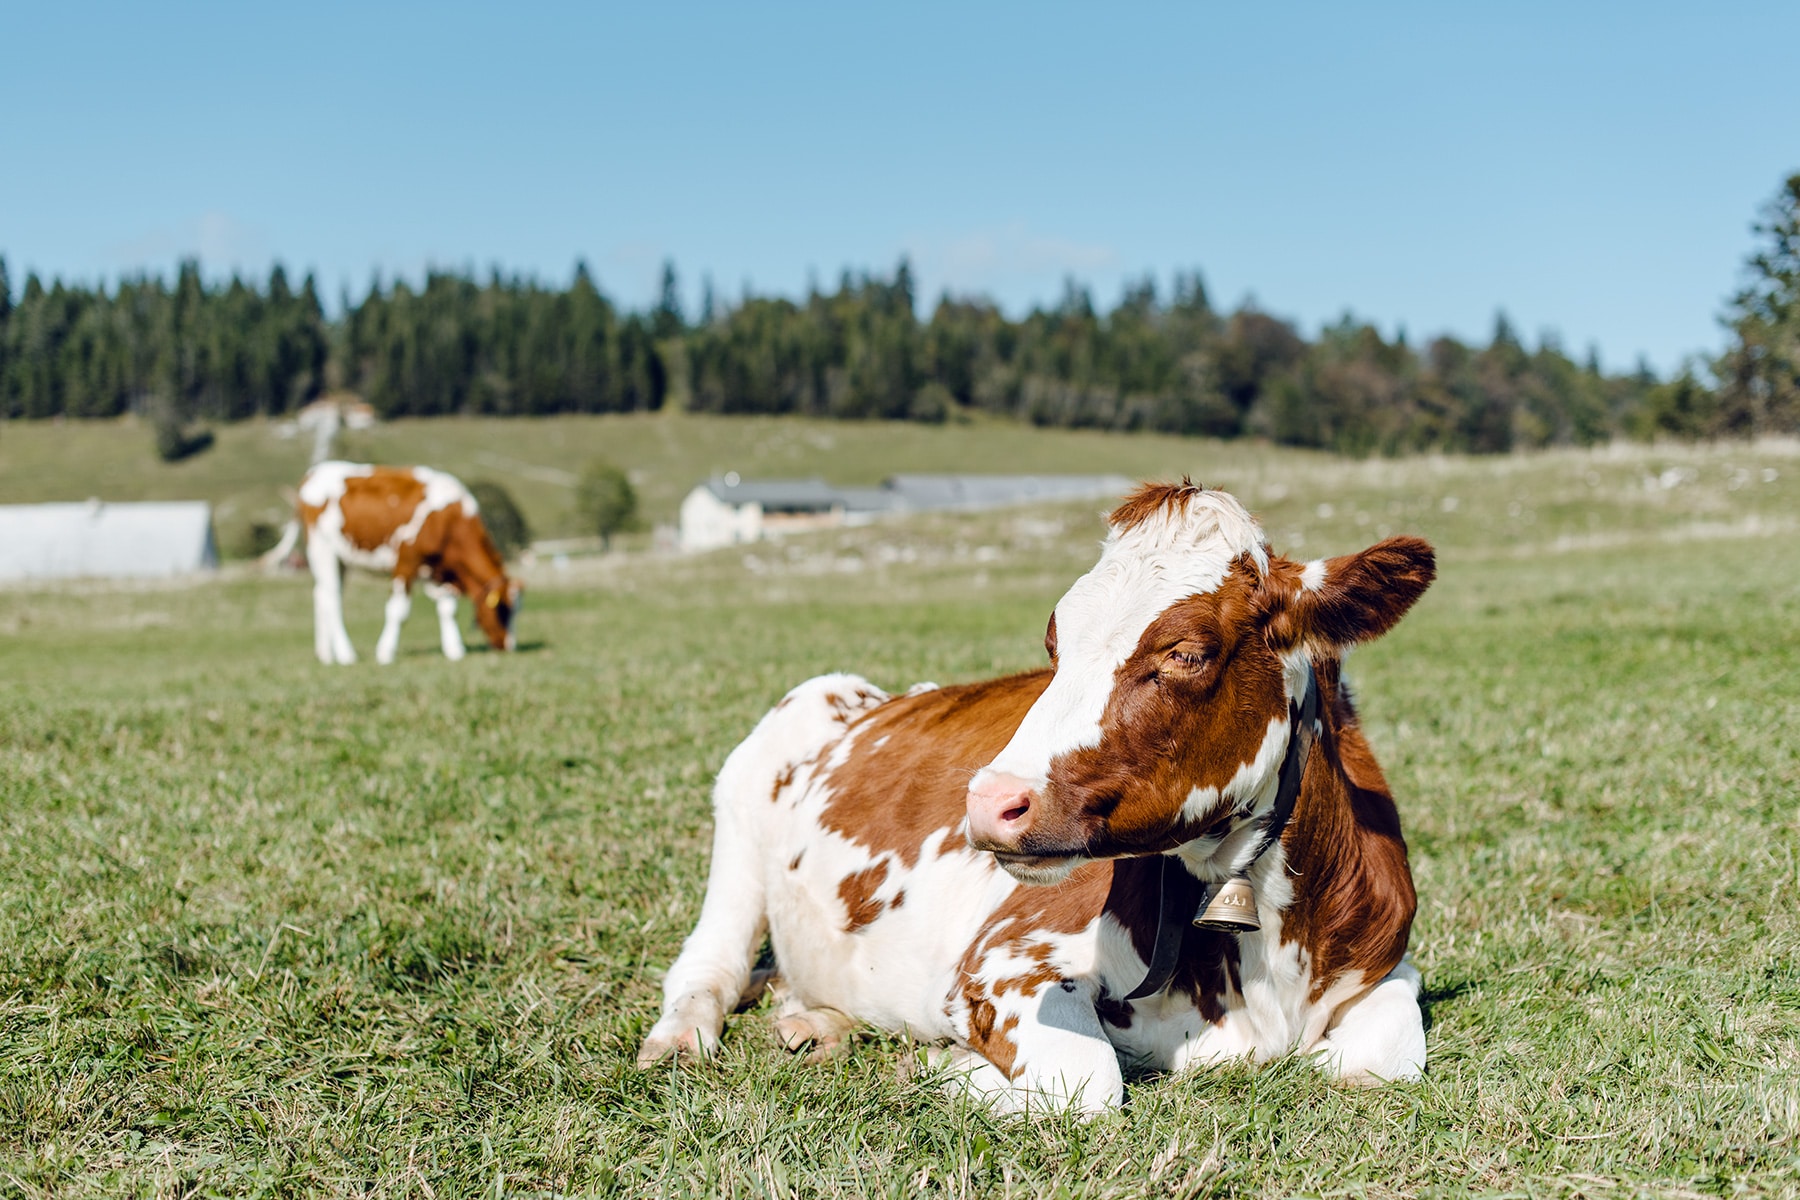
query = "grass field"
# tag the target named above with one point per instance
(268, 928)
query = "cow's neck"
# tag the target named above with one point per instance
(472, 573)
(1353, 892)
(1229, 907)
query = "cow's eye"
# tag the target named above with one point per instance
(1185, 658)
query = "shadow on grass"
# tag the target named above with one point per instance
(1442, 993)
(476, 648)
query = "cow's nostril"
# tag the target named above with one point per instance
(1018, 810)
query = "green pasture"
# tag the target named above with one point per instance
(271, 928)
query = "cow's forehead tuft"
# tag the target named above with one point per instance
(1169, 520)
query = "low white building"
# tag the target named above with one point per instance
(729, 511)
(92, 540)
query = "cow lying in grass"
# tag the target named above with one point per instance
(1016, 867)
(409, 523)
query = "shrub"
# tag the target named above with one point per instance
(605, 503)
(173, 441)
(500, 513)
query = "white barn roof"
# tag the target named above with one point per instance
(927, 492)
(108, 541)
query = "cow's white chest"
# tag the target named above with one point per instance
(897, 969)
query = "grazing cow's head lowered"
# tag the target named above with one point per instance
(495, 606)
(1176, 659)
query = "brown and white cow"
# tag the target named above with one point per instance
(884, 843)
(410, 523)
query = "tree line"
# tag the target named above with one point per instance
(193, 350)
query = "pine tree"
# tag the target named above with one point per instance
(1760, 392)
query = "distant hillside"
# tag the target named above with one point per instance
(1157, 361)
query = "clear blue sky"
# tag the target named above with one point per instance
(1591, 169)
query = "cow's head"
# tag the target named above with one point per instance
(1175, 661)
(495, 608)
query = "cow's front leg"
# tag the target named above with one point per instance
(399, 606)
(448, 630)
(1378, 1037)
(331, 641)
(1038, 1051)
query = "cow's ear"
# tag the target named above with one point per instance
(1332, 604)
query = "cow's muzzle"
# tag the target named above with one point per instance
(1003, 813)
(1002, 810)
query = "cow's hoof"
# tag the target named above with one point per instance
(825, 1030)
(685, 1045)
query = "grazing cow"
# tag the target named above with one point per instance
(409, 523)
(1019, 867)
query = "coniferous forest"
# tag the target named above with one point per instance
(193, 350)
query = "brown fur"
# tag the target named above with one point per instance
(889, 799)
(857, 891)
(378, 504)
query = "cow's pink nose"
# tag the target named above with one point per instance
(1001, 809)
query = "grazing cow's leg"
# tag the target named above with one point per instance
(710, 974)
(448, 630)
(399, 605)
(331, 641)
(1060, 1054)
(1379, 1036)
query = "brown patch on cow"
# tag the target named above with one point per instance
(1151, 500)
(1354, 901)
(898, 900)
(1032, 981)
(783, 781)
(794, 864)
(857, 891)
(993, 1042)
(891, 797)
(378, 505)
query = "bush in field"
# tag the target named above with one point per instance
(251, 539)
(505, 523)
(605, 502)
(173, 441)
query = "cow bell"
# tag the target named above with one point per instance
(1232, 908)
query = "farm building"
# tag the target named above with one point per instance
(925, 493)
(728, 511)
(105, 541)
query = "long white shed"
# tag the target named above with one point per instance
(95, 540)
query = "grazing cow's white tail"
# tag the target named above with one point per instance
(290, 534)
